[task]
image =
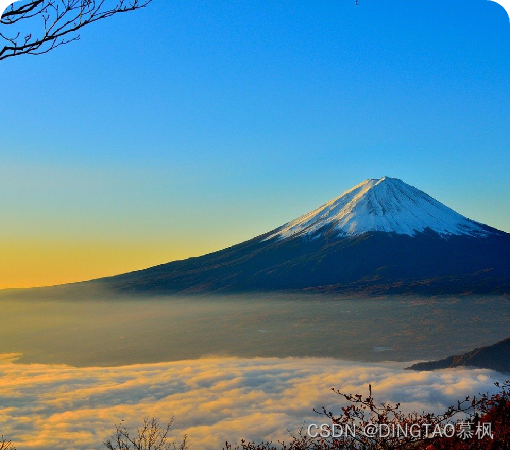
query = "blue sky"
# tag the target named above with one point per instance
(190, 126)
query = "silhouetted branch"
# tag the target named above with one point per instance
(39, 26)
(150, 436)
(6, 445)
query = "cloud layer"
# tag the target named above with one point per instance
(63, 407)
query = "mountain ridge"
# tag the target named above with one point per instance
(495, 357)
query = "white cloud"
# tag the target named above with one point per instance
(63, 407)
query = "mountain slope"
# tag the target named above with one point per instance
(495, 357)
(382, 236)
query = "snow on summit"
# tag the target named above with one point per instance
(385, 204)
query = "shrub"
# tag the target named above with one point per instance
(464, 421)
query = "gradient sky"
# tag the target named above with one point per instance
(191, 126)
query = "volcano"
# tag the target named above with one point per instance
(383, 236)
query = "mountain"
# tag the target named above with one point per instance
(495, 357)
(382, 236)
(388, 205)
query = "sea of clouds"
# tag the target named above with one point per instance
(212, 400)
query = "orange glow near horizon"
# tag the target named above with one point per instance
(43, 263)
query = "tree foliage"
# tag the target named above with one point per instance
(39, 26)
(363, 411)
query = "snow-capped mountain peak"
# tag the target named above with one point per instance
(385, 204)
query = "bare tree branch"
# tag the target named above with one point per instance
(150, 436)
(6, 445)
(39, 26)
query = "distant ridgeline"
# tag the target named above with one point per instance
(495, 357)
(383, 236)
